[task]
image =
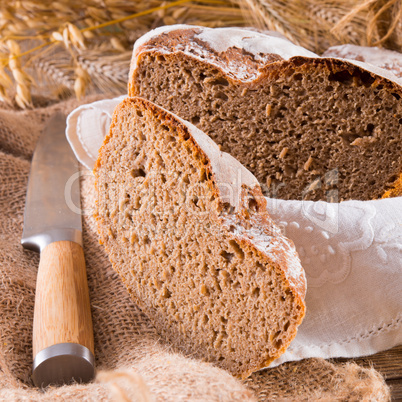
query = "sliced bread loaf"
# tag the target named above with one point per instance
(307, 127)
(186, 228)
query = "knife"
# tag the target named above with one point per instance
(63, 345)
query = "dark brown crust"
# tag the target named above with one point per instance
(171, 40)
(390, 60)
(261, 220)
(271, 69)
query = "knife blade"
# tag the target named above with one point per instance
(63, 346)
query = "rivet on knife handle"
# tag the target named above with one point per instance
(63, 343)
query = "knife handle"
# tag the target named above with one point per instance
(63, 344)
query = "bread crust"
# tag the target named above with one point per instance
(380, 57)
(255, 231)
(395, 190)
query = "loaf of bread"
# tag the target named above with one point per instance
(307, 127)
(186, 228)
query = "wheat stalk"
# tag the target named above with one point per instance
(307, 22)
(384, 24)
(71, 46)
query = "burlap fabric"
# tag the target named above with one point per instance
(133, 363)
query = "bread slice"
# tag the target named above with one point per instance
(186, 228)
(307, 127)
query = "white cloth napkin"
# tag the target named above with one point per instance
(351, 252)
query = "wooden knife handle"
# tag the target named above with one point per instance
(62, 308)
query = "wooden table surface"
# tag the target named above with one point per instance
(389, 364)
